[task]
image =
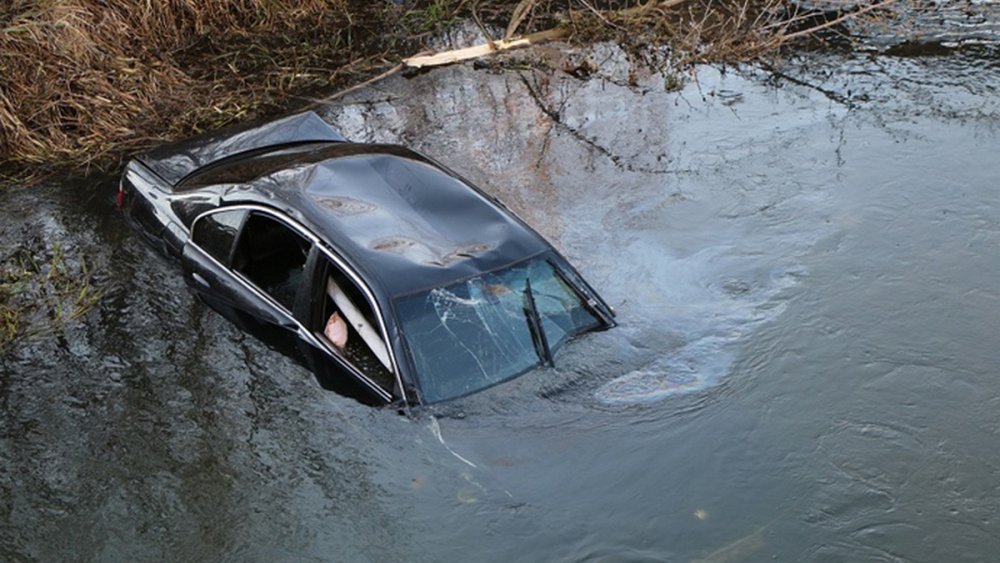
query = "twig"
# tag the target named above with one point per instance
(810, 31)
(476, 51)
(524, 7)
(361, 85)
(599, 15)
(661, 6)
(479, 24)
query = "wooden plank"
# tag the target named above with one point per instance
(476, 51)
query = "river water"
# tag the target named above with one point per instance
(804, 264)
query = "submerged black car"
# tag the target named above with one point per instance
(443, 291)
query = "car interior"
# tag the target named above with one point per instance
(273, 257)
(365, 348)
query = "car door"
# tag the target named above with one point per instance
(248, 264)
(363, 368)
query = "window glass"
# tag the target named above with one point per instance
(215, 233)
(364, 347)
(272, 255)
(243, 167)
(562, 312)
(476, 333)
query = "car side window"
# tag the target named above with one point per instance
(216, 232)
(272, 255)
(350, 326)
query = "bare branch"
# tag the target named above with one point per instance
(520, 12)
(786, 38)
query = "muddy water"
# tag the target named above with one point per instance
(804, 268)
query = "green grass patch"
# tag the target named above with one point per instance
(41, 291)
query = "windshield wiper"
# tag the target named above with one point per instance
(585, 298)
(535, 325)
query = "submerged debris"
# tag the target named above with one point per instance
(742, 549)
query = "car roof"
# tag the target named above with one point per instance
(398, 216)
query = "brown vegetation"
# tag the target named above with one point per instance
(90, 81)
(87, 78)
(720, 31)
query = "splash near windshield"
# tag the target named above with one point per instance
(479, 332)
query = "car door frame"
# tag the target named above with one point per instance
(320, 344)
(294, 320)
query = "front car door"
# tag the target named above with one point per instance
(364, 367)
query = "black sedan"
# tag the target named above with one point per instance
(392, 278)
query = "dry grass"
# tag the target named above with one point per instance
(727, 31)
(90, 81)
(88, 78)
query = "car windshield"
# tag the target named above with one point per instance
(479, 332)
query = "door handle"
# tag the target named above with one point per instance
(198, 279)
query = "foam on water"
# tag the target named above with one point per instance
(713, 311)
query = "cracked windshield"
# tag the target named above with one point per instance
(727, 291)
(477, 333)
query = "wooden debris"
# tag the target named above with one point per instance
(476, 51)
(739, 550)
(508, 43)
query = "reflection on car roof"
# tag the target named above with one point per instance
(175, 161)
(402, 218)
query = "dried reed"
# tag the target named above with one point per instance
(84, 79)
(90, 81)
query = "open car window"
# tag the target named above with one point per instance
(365, 348)
(273, 256)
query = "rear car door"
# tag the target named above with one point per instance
(248, 265)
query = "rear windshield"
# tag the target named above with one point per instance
(246, 166)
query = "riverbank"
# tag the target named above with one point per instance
(90, 82)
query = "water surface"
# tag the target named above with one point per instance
(804, 268)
